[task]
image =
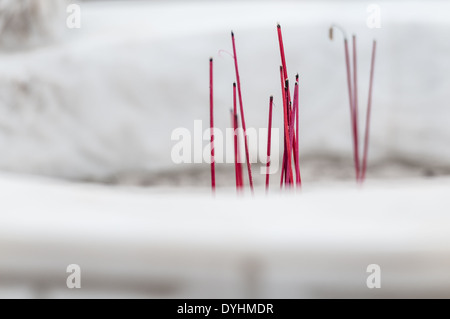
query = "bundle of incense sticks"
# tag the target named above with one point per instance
(291, 157)
(291, 127)
(352, 84)
(291, 123)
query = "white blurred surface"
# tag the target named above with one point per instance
(144, 243)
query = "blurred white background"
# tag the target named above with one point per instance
(99, 103)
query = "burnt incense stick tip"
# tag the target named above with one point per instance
(271, 98)
(234, 84)
(296, 77)
(232, 33)
(278, 25)
(281, 68)
(210, 59)
(331, 31)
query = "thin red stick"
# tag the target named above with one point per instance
(284, 171)
(283, 176)
(352, 117)
(239, 162)
(291, 126)
(269, 138)
(235, 149)
(286, 176)
(288, 169)
(289, 172)
(293, 138)
(283, 166)
(355, 107)
(296, 148)
(283, 57)
(233, 123)
(368, 115)
(247, 156)
(291, 117)
(211, 125)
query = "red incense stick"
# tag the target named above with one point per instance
(292, 136)
(291, 116)
(350, 95)
(283, 57)
(288, 148)
(355, 107)
(283, 166)
(296, 149)
(283, 176)
(239, 162)
(368, 115)
(291, 126)
(269, 138)
(233, 123)
(288, 169)
(247, 156)
(283, 70)
(352, 112)
(211, 122)
(284, 65)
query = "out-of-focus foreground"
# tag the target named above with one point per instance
(145, 244)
